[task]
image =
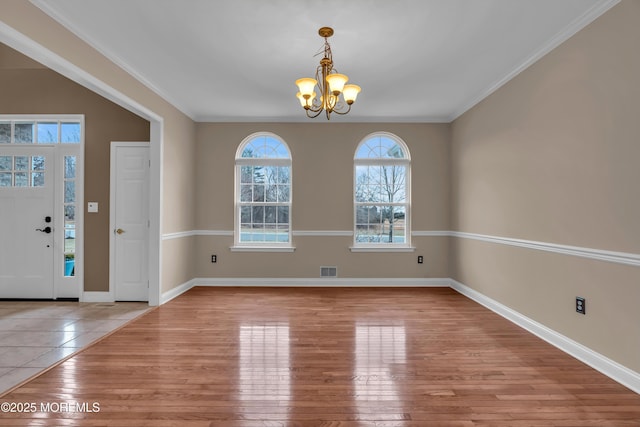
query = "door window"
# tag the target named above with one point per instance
(22, 171)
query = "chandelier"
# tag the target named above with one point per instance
(330, 84)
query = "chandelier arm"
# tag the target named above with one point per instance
(315, 106)
(343, 112)
(313, 116)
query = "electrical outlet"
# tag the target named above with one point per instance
(581, 305)
(214, 258)
(420, 259)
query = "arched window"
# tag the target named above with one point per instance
(263, 191)
(382, 192)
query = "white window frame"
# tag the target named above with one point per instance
(365, 161)
(63, 286)
(263, 161)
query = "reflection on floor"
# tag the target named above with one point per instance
(36, 334)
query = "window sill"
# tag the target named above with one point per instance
(262, 248)
(382, 249)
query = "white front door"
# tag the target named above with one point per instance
(26, 222)
(130, 221)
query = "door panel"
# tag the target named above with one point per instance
(131, 215)
(26, 200)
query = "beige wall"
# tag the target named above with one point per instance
(29, 88)
(552, 156)
(178, 130)
(322, 198)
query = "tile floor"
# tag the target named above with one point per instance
(36, 334)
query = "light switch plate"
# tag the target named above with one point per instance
(92, 207)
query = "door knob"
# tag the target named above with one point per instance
(44, 230)
(119, 231)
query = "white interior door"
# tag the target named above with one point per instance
(26, 222)
(130, 221)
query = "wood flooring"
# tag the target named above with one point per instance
(327, 357)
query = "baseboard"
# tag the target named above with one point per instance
(324, 282)
(597, 361)
(88, 296)
(174, 292)
(289, 282)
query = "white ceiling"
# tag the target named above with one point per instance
(237, 60)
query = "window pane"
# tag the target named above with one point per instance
(265, 146)
(271, 193)
(283, 193)
(246, 174)
(394, 224)
(69, 265)
(375, 175)
(258, 174)
(69, 191)
(5, 179)
(47, 133)
(270, 214)
(37, 163)
(5, 163)
(21, 163)
(69, 249)
(70, 133)
(257, 213)
(246, 234)
(393, 183)
(70, 167)
(366, 215)
(5, 133)
(252, 233)
(246, 193)
(245, 214)
(69, 213)
(283, 214)
(368, 224)
(284, 174)
(21, 179)
(23, 133)
(37, 179)
(380, 147)
(271, 174)
(363, 235)
(249, 152)
(258, 193)
(282, 235)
